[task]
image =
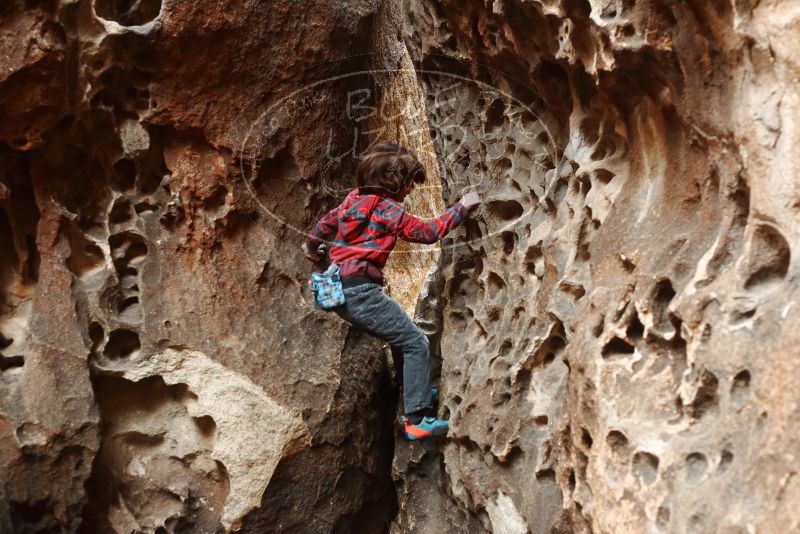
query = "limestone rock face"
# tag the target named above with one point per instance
(618, 324)
(615, 329)
(162, 366)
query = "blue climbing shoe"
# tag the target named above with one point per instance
(429, 426)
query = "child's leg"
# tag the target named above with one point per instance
(370, 309)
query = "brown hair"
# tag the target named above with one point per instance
(389, 169)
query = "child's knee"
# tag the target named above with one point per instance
(418, 340)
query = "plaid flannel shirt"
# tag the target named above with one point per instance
(365, 228)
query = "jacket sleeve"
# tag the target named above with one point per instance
(324, 230)
(410, 228)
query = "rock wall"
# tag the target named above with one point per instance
(617, 323)
(618, 319)
(162, 366)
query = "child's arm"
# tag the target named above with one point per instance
(410, 228)
(322, 231)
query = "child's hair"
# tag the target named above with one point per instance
(388, 168)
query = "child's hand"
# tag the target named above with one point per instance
(470, 200)
(311, 255)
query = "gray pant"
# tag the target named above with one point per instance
(371, 310)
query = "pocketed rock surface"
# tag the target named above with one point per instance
(616, 329)
(163, 366)
(619, 333)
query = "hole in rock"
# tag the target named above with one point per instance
(505, 348)
(609, 12)
(128, 12)
(124, 174)
(546, 474)
(127, 303)
(599, 327)
(237, 222)
(662, 518)
(661, 11)
(149, 182)
(705, 336)
(96, 334)
(505, 210)
(503, 399)
(577, 291)
(663, 293)
(30, 513)
(205, 424)
(522, 380)
(740, 315)
(11, 362)
(495, 114)
(85, 257)
(696, 524)
(645, 465)
(696, 466)
(617, 348)
(140, 439)
(769, 258)
(541, 420)
(582, 185)
(635, 329)
(589, 128)
(626, 262)
(128, 248)
(494, 283)
(725, 460)
(509, 242)
(511, 456)
(706, 398)
(122, 344)
(560, 191)
(477, 265)
(677, 344)
(616, 441)
(586, 438)
(216, 199)
(136, 252)
(144, 206)
(534, 260)
(740, 386)
(660, 297)
(502, 165)
(121, 211)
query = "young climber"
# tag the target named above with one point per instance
(362, 232)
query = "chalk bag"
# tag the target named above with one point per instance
(327, 288)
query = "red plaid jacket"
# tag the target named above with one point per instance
(365, 228)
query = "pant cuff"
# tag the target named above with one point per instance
(418, 408)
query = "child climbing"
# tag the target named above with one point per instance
(363, 230)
